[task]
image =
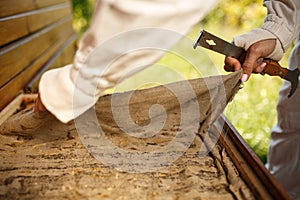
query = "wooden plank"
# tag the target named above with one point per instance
(12, 60)
(13, 28)
(40, 20)
(248, 164)
(15, 85)
(12, 7)
(44, 3)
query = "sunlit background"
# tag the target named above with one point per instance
(253, 111)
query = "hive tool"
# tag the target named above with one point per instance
(273, 68)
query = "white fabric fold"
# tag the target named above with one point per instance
(68, 92)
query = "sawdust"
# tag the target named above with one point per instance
(43, 158)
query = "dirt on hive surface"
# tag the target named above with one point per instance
(42, 158)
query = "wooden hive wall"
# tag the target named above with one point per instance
(34, 35)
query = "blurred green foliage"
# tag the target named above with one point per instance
(82, 14)
(237, 14)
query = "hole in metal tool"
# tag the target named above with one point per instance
(211, 42)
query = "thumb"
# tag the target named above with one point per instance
(254, 53)
(248, 66)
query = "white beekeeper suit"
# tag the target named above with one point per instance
(282, 23)
(85, 80)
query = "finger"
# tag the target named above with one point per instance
(260, 68)
(250, 63)
(228, 68)
(232, 64)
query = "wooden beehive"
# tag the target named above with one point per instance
(35, 35)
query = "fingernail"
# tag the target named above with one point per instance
(244, 77)
(263, 65)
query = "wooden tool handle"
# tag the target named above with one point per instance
(273, 68)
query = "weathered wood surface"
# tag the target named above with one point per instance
(32, 35)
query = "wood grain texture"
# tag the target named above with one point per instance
(18, 56)
(247, 162)
(16, 27)
(13, 7)
(33, 34)
(11, 89)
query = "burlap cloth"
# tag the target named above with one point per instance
(147, 144)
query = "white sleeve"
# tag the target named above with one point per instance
(283, 20)
(281, 23)
(119, 29)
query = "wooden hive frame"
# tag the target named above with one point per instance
(247, 162)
